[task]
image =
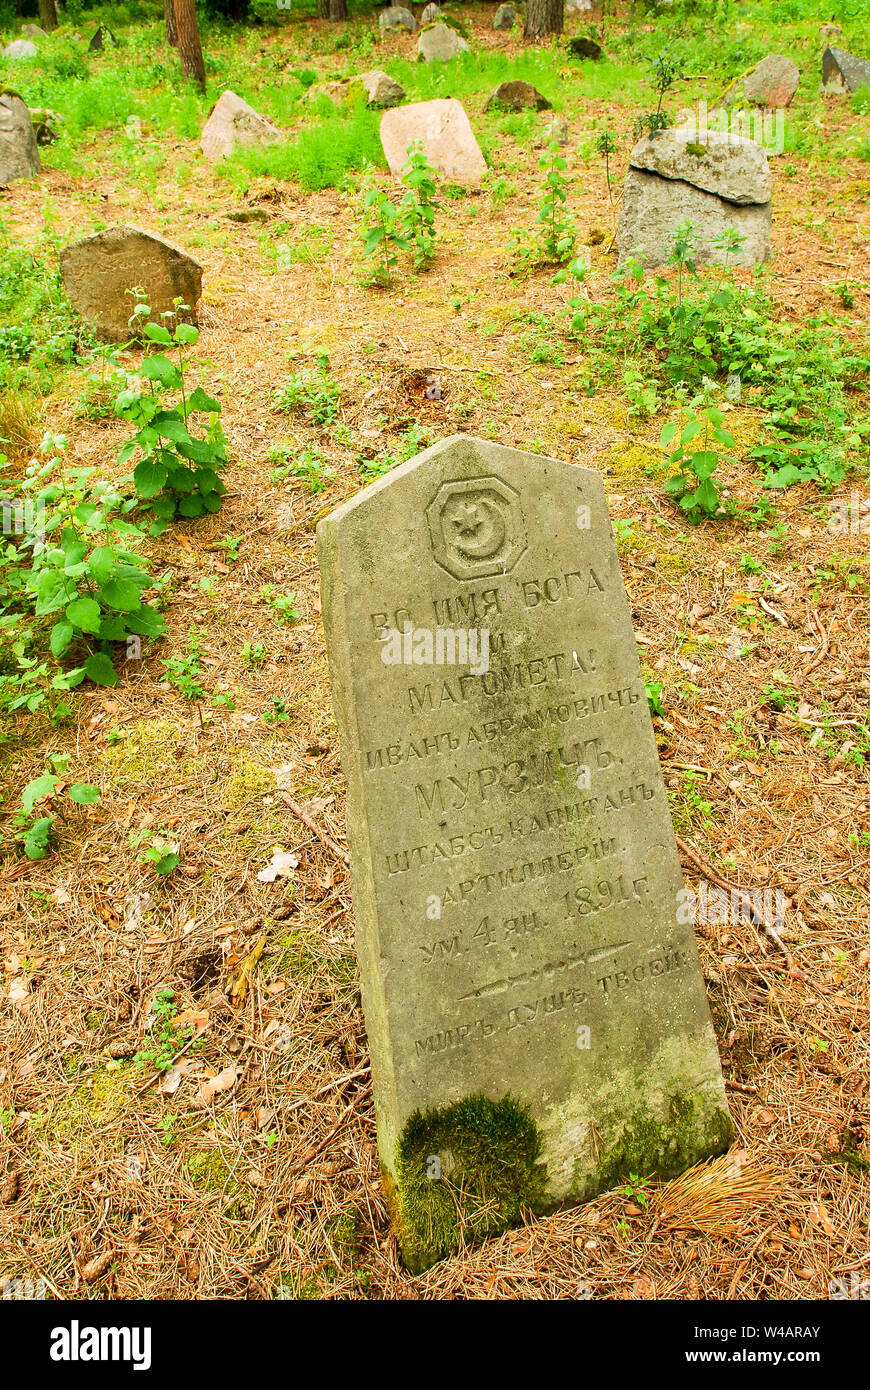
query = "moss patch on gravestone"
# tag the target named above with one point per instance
(650, 1145)
(463, 1172)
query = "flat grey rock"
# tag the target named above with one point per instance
(443, 129)
(731, 167)
(441, 43)
(233, 125)
(397, 17)
(19, 155)
(842, 72)
(772, 82)
(99, 271)
(506, 17)
(534, 1003)
(653, 208)
(20, 48)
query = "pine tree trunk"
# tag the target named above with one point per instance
(189, 45)
(323, 9)
(337, 10)
(544, 17)
(169, 16)
(48, 15)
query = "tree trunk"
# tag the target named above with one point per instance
(337, 10)
(169, 16)
(323, 9)
(48, 15)
(189, 45)
(544, 17)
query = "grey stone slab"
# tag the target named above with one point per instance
(653, 208)
(534, 1003)
(842, 72)
(99, 271)
(733, 168)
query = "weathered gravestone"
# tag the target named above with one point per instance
(534, 1002)
(443, 129)
(19, 157)
(100, 271)
(842, 72)
(233, 125)
(721, 183)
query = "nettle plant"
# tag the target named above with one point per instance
(32, 830)
(418, 207)
(556, 234)
(78, 566)
(382, 235)
(694, 486)
(178, 470)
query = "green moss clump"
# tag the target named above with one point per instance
(650, 1146)
(486, 1175)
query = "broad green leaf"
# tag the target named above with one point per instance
(149, 477)
(36, 839)
(37, 789)
(200, 401)
(162, 370)
(99, 669)
(84, 613)
(158, 334)
(84, 794)
(61, 636)
(122, 594)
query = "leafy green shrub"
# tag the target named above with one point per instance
(694, 486)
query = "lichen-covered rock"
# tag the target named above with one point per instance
(506, 17)
(582, 47)
(397, 17)
(727, 165)
(842, 72)
(430, 14)
(19, 156)
(100, 271)
(518, 96)
(443, 129)
(20, 48)
(772, 83)
(441, 43)
(653, 208)
(381, 89)
(233, 125)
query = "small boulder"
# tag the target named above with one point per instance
(397, 17)
(518, 96)
(506, 17)
(19, 156)
(842, 73)
(430, 14)
(33, 31)
(582, 47)
(99, 271)
(233, 125)
(20, 48)
(443, 129)
(772, 83)
(441, 43)
(578, 6)
(381, 89)
(829, 31)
